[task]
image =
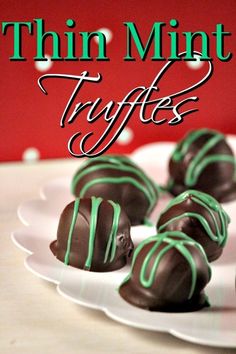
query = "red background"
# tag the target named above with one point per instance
(31, 119)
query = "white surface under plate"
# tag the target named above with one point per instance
(214, 326)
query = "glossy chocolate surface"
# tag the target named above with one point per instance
(199, 216)
(169, 272)
(117, 178)
(203, 160)
(93, 234)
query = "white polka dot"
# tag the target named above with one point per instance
(31, 155)
(196, 64)
(44, 65)
(106, 32)
(126, 136)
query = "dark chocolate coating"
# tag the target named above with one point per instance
(131, 199)
(81, 236)
(217, 178)
(170, 289)
(192, 226)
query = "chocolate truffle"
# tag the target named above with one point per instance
(169, 272)
(204, 161)
(93, 234)
(117, 178)
(201, 217)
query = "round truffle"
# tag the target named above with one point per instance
(203, 160)
(93, 234)
(169, 272)
(201, 217)
(117, 178)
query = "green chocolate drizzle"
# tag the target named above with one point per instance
(173, 239)
(200, 161)
(120, 163)
(211, 205)
(92, 231)
(111, 243)
(72, 226)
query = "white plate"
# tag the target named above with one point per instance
(215, 326)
